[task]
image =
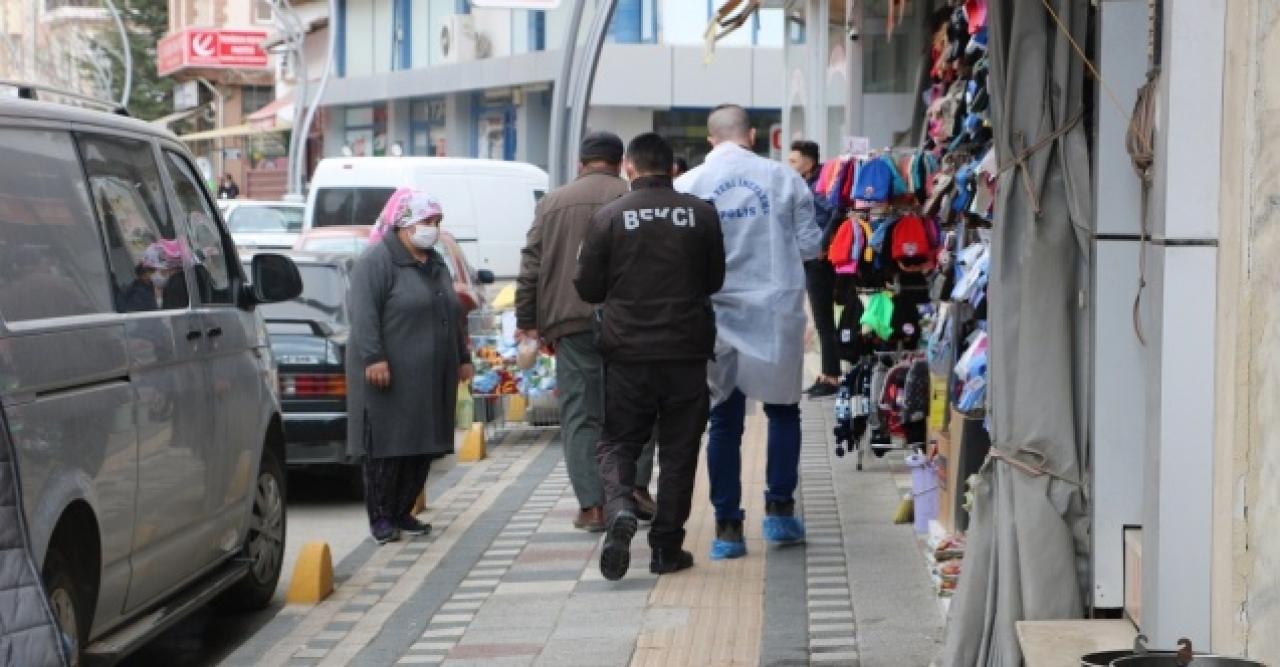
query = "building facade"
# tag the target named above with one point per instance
(216, 52)
(72, 45)
(440, 77)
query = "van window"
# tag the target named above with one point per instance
(145, 256)
(214, 262)
(51, 262)
(349, 206)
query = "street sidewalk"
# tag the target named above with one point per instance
(505, 580)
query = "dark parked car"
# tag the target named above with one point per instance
(308, 339)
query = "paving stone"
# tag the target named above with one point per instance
(534, 635)
(586, 652)
(596, 624)
(496, 650)
(535, 587)
(434, 633)
(818, 628)
(531, 574)
(433, 646)
(452, 618)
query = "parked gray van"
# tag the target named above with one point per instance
(137, 386)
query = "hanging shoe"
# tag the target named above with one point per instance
(667, 561)
(780, 524)
(615, 557)
(729, 542)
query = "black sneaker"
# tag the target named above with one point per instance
(615, 557)
(384, 531)
(411, 526)
(667, 561)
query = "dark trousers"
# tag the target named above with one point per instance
(724, 455)
(391, 485)
(820, 280)
(674, 396)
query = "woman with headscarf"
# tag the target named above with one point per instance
(406, 353)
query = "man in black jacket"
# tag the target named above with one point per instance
(653, 258)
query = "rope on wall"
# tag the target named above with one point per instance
(1140, 143)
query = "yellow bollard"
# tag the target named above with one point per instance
(516, 407)
(312, 575)
(420, 505)
(472, 445)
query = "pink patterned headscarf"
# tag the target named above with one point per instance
(406, 206)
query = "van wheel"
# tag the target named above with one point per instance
(68, 602)
(264, 546)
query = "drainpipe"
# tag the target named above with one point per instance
(128, 54)
(305, 129)
(220, 100)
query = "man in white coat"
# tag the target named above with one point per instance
(766, 213)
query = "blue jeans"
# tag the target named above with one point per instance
(724, 455)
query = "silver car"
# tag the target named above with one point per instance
(263, 225)
(137, 386)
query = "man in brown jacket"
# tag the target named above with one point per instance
(549, 309)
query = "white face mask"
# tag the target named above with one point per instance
(158, 278)
(425, 237)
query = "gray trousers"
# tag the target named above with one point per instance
(580, 387)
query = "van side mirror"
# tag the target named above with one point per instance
(275, 279)
(485, 277)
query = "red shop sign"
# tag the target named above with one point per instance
(211, 48)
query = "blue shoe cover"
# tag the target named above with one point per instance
(783, 529)
(724, 550)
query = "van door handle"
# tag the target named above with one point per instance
(194, 335)
(215, 332)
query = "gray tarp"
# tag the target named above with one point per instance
(1028, 539)
(28, 634)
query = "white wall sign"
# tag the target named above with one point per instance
(516, 4)
(186, 95)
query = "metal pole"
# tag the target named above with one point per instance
(558, 164)
(294, 33)
(324, 83)
(221, 102)
(587, 71)
(128, 54)
(853, 65)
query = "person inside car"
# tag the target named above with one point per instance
(160, 262)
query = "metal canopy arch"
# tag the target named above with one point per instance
(572, 92)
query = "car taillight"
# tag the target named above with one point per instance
(313, 386)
